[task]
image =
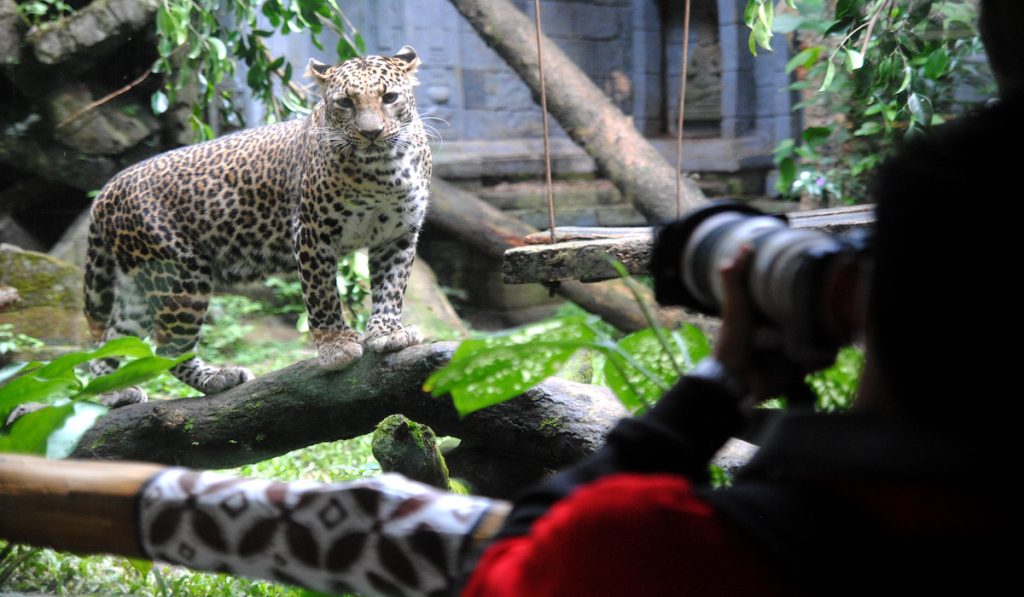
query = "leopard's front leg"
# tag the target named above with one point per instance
(337, 344)
(389, 270)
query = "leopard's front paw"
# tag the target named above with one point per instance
(391, 338)
(226, 378)
(337, 349)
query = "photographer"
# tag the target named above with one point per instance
(902, 493)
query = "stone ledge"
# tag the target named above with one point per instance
(525, 157)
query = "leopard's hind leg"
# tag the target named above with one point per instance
(128, 316)
(180, 297)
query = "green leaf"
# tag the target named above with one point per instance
(784, 150)
(30, 433)
(219, 48)
(855, 59)
(919, 11)
(693, 344)
(787, 23)
(141, 566)
(830, 73)
(936, 65)
(158, 102)
(868, 128)
(845, 8)
(750, 13)
(29, 388)
(489, 370)
(787, 174)
(640, 370)
(920, 108)
(805, 58)
(907, 74)
(494, 375)
(763, 35)
(125, 346)
(63, 440)
(132, 373)
(816, 135)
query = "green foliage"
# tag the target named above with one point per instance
(886, 69)
(12, 342)
(200, 41)
(836, 387)
(56, 385)
(759, 16)
(37, 12)
(491, 369)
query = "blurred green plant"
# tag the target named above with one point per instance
(202, 41)
(56, 385)
(639, 367)
(11, 341)
(884, 68)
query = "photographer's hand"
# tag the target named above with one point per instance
(749, 352)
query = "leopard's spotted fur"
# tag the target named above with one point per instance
(298, 194)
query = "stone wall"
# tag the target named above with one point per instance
(630, 48)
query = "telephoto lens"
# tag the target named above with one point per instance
(804, 283)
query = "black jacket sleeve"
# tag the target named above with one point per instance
(679, 435)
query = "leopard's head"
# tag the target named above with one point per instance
(368, 102)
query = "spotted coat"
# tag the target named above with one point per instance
(279, 198)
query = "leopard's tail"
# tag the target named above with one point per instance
(100, 271)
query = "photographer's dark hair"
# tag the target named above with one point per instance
(941, 310)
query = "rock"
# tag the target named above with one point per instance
(8, 296)
(403, 446)
(107, 129)
(10, 33)
(92, 32)
(73, 244)
(12, 232)
(51, 296)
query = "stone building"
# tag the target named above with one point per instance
(737, 106)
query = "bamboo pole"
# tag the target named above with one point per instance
(71, 505)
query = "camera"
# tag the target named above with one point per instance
(804, 283)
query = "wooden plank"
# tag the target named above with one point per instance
(583, 253)
(86, 507)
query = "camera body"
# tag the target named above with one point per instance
(804, 283)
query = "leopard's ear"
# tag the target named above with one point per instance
(408, 56)
(317, 70)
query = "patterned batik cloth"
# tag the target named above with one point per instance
(386, 535)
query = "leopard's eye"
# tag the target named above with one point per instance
(389, 98)
(344, 102)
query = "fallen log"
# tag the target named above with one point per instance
(583, 110)
(483, 227)
(583, 254)
(553, 425)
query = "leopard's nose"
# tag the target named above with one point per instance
(371, 134)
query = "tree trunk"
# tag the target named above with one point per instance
(486, 228)
(552, 425)
(583, 110)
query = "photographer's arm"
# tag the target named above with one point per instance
(681, 433)
(605, 524)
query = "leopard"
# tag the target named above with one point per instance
(291, 196)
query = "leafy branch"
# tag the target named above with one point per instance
(884, 68)
(216, 38)
(57, 385)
